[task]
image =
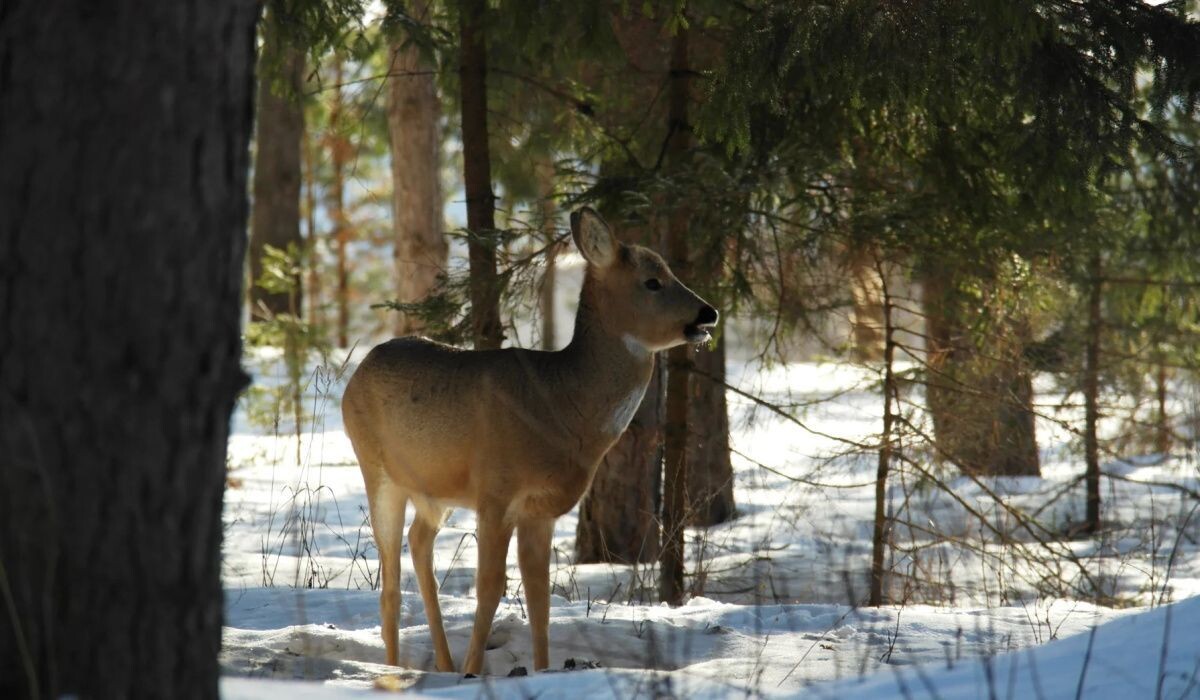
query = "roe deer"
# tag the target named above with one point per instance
(514, 434)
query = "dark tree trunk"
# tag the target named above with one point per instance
(1015, 451)
(980, 401)
(122, 232)
(879, 530)
(415, 139)
(275, 219)
(675, 514)
(1091, 398)
(618, 520)
(477, 178)
(1162, 425)
(709, 470)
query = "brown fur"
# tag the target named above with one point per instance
(514, 434)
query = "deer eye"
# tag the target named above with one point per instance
(653, 284)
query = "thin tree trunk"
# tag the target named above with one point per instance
(544, 172)
(1162, 431)
(1091, 396)
(679, 359)
(336, 202)
(313, 291)
(123, 217)
(275, 219)
(477, 178)
(709, 470)
(413, 114)
(880, 529)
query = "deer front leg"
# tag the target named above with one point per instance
(493, 535)
(533, 551)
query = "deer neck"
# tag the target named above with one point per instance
(611, 369)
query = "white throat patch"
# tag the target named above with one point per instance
(624, 411)
(635, 347)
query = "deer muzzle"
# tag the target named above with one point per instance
(697, 331)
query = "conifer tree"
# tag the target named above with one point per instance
(117, 402)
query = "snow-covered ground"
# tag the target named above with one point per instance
(1153, 654)
(776, 593)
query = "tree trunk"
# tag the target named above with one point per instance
(1015, 451)
(1162, 427)
(335, 202)
(980, 401)
(275, 219)
(867, 318)
(123, 216)
(316, 315)
(709, 469)
(544, 172)
(1091, 398)
(679, 359)
(618, 519)
(477, 178)
(413, 113)
(879, 531)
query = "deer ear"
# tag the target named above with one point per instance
(593, 237)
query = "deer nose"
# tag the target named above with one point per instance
(708, 316)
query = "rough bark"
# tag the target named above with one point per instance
(709, 471)
(477, 178)
(675, 513)
(122, 232)
(279, 129)
(979, 394)
(413, 113)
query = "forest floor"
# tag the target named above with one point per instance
(775, 605)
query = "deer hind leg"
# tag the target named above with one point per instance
(388, 503)
(533, 552)
(493, 534)
(420, 546)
